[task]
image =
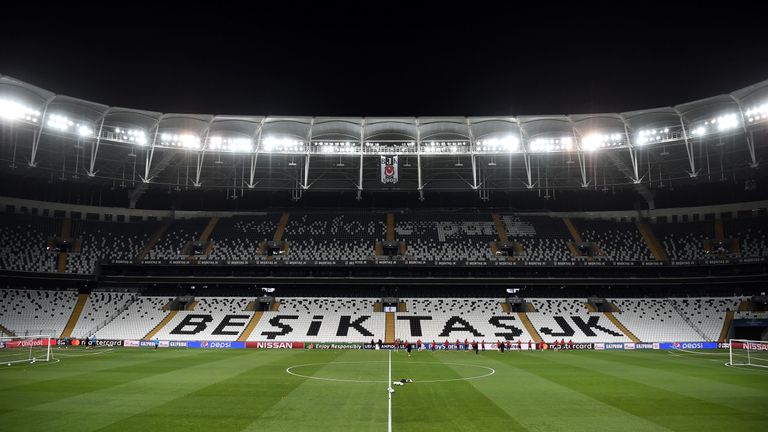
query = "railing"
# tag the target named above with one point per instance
(688, 320)
(111, 318)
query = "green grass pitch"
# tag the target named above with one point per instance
(136, 389)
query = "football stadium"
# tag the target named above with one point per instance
(186, 271)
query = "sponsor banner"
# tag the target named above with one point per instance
(723, 345)
(629, 345)
(687, 345)
(215, 344)
(177, 344)
(387, 346)
(25, 343)
(338, 345)
(599, 346)
(572, 347)
(473, 263)
(614, 346)
(109, 342)
(130, 343)
(752, 346)
(275, 345)
(645, 345)
(149, 343)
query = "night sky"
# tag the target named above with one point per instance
(385, 59)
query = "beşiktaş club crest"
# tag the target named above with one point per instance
(389, 169)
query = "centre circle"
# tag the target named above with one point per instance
(301, 370)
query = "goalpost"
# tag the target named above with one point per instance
(745, 352)
(30, 349)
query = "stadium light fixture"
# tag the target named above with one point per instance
(509, 143)
(63, 123)
(131, 135)
(60, 122)
(274, 144)
(238, 145)
(545, 145)
(452, 147)
(650, 136)
(84, 131)
(595, 141)
(335, 147)
(12, 110)
(757, 113)
(720, 123)
(183, 140)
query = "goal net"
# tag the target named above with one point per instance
(748, 353)
(17, 349)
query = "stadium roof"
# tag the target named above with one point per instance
(394, 128)
(325, 145)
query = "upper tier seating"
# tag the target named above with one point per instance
(108, 241)
(180, 232)
(336, 237)
(752, 233)
(446, 237)
(24, 242)
(238, 237)
(619, 241)
(543, 238)
(684, 241)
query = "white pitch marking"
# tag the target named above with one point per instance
(389, 393)
(289, 371)
(61, 354)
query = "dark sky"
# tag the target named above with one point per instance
(386, 58)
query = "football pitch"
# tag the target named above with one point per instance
(137, 389)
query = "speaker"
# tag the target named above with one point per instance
(584, 249)
(506, 246)
(274, 247)
(390, 248)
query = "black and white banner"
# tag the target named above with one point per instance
(389, 169)
(456, 263)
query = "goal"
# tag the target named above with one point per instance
(18, 349)
(745, 352)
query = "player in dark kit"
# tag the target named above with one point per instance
(408, 348)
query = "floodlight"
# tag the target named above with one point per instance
(595, 141)
(60, 122)
(12, 110)
(84, 131)
(757, 113)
